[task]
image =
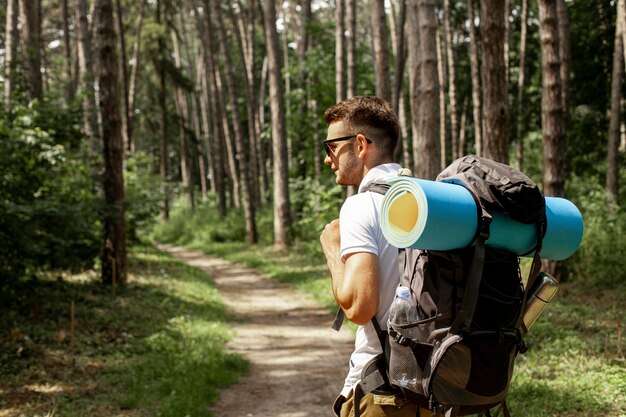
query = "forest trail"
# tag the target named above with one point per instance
(298, 362)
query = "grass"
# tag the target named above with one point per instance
(157, 349)
(575, 366)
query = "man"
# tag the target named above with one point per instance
(360, 145)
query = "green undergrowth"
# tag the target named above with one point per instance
(575, 365)
(155, 349)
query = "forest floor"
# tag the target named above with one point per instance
(297, 362)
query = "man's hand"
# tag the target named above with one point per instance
(330, 240)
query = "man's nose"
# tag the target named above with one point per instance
(327, 160)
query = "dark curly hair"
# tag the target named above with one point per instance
(369, 115)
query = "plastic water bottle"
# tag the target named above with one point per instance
(403, 370)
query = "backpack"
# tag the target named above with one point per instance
(471, 301)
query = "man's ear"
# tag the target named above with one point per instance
(362, 144)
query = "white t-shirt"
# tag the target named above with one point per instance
(360, 232)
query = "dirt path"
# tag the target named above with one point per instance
(298, 362)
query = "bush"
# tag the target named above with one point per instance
(48, 203)
(142, 197)
(599, 261)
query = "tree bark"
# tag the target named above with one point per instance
(552, 120)
(182, 109)
(475, 72)
(495, 90)
(31, 46)
(85, 65)
(265, 156)
(114, 255)
(306, 15)
(163, 141)
(246, 50)
(427, 163)
(279, 141)
(398, 45)
(210, 85)
(565, 56)
(441, 73)
(381, 59)
(340, 86)
(612, 172)
(10, 48)
(521, 85)
(121, 46)
(451, 83)
(132, 82)
(67, 53)
(244, 169)
(351, 48)
(414, 77)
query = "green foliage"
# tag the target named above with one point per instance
(185, 226)
(318, 205)
(48, 204)
(600, 260)
(142, 196)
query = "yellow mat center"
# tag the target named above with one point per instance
(403, 212)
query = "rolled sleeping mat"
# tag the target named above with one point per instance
(435, 215)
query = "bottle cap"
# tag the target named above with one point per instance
(403, 292)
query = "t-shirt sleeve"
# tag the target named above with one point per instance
(358, 226)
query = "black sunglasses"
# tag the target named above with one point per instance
(342, 138)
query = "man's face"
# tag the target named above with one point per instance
(342, 155)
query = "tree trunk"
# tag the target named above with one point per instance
(203, 99)
(246, 51)
(121, 46)
(475, 72)
(427, 164)
(441, 73)
(210, 90)
(351, 48)
(114, 255)
(565, 56)
(10, 48)
(612, 172)
(197, 102)
(381, 60)
(552, 119)
(414, 78)
(399, 50)
(67, 53)
(163, 142)
(265, 155)
(86, 89)
(182, 109)
(31, 46)
(279, 141)
(506, 40)
(132, 82)
(398, 45)
(306, 15)
(244, 169)
(340, 89)
(231, 162)
(521, 85)
(495, 90)
(451, 83)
